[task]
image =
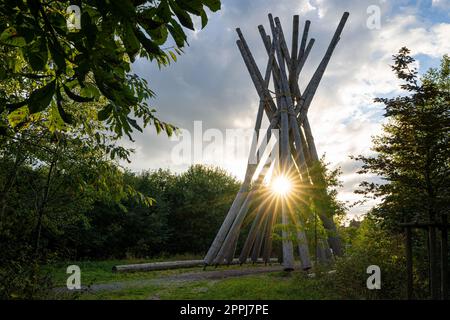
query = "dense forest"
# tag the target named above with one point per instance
(95, 228)
(67, 98)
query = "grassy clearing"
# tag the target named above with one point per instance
(267, 286)
(100, 272)
(275, 285)
(278, 286)
(95, 272)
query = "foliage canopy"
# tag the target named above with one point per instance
(92, 62)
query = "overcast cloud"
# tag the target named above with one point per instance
(210, 82)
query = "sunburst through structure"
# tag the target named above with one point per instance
(281, 185)
(278, 192)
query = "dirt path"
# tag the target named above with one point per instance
(182, 277)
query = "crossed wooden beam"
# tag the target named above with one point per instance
(286, 107)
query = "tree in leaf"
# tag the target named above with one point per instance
(51, 175)
(92, 62)
(412, 155)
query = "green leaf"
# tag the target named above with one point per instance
(213, 5)
(157, 126)
(131, 43)
(149, 19)
(41, 98)
(174, 57)
(36, 54)
(177, 33)
(57, 56)
(148, 44)
(76, 97)
(10, 37)
(3, 72)
(58, 22)
(17, 116)
(33, 5)
(134, 124)
(204, 18)
(3, 129)
(124, 8)
(67, 118)
(169, 129)
(90, 91)
(182, 16)
(104, 114)
(163, 11)
(193, 6)
(27, 31)
(14, 106)
(55, 120)
(88, 28)
(159, 35)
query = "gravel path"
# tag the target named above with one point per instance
(182, 277)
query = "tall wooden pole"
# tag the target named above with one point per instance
(231, 215)
(286, 108)
(434, 276)
(304, 38)
(292, 124)
(257, 246)
(444, 257)
(315, 80)
(253, 232)
(409, 263)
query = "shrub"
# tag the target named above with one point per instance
(372, 246)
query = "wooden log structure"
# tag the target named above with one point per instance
(167, 265)
(286, 108)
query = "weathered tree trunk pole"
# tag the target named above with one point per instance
(230, 217)
(328, 222)
(409, 263)
(168, 265)
(268, 244)
(248, 244)
(288, 250)
(257, 246)
(287, 104)
(444, 257)
(286, 108)
(434, 275)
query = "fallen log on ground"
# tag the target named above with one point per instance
(166, 265)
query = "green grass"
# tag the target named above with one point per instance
(276, 285)
(265, 286)
(128, 294)
(95, 272)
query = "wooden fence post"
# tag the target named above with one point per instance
(444, 258)
(409, 263)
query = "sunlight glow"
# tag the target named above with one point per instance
(281, 185)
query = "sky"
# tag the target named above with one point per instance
(210, 83)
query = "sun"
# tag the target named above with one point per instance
(281, 185)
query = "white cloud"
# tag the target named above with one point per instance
(210, 81)
(441, 4)
(431, 40)
(306, 6)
